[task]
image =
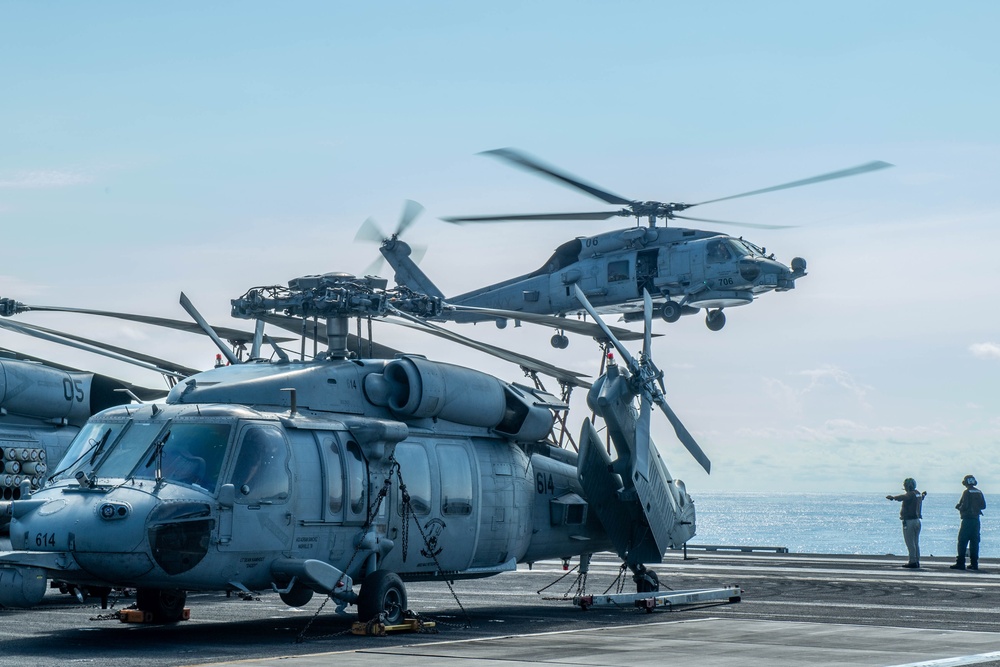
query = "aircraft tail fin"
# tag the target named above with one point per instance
(408, 274)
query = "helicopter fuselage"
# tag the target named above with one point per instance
(693, 268)
(304, 489)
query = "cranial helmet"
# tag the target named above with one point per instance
(969, 480)
(910, 484)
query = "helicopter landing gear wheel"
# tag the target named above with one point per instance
(646, 581)
(382, 592)
(671, 311)
(166, 605)
(715, 319)
(559, 341)
(298, 596)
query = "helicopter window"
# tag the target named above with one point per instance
(741, 248)
(261, 472)
(127, 453)
(356, 478)
(193, 453)
(416, 472)
(717, 250)
(92, 442)
(617, 271)
(456, 479)
(335, 479)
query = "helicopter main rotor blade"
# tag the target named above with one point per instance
(749, 225)
(633, 366)
(642, 439)
(842, 173)
(149, 359)
(568, 377)
(234, 335)
(565, 323)
(647, 374)
(207, 328)
(596, 215)
(96, 348)
(522, 160)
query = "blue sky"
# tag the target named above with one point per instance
(149, 149)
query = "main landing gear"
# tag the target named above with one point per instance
(715, 319)
(382, 592)
(560, 341)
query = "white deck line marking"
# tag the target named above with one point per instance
(955, 662)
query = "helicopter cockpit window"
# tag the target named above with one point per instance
(261, 472)
(416, 472)
(456, 479)
(617, 271)
(126, 455)
(88, 447)
(357, 478)
(717, 250)
(194, 452)
(741, 248)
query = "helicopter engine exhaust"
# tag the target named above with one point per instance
(413, 387)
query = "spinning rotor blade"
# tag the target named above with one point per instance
(749, 225)
(207, 328)
(597, 215)
(411, 210)
(842, 173)
(93, 347)
(531, 164)
(571, 378)
(565, 323)
(647, 374)
(369, 231)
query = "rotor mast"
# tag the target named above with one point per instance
(336, 297)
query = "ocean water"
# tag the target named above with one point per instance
(820, 523)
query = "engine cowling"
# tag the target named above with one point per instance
(414, 387)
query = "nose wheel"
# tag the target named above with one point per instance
(560, 341)
(715, 319)
(671, 311)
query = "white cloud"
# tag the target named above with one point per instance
(48, 178)
(827, 374)
(985, 350)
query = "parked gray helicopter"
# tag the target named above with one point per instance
(685, 270)
(306, 476)
(43, 404)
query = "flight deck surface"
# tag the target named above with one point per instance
(796, 609)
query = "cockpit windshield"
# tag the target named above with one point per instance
(745, 248)
(183, 452)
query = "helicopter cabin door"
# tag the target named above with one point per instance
(440, 480)
(646, 271)
(261, 516)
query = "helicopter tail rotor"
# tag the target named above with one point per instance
(369, 232)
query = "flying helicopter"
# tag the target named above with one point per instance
(685, 270)
(304, 476)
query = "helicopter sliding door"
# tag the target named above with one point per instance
(440, 482)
